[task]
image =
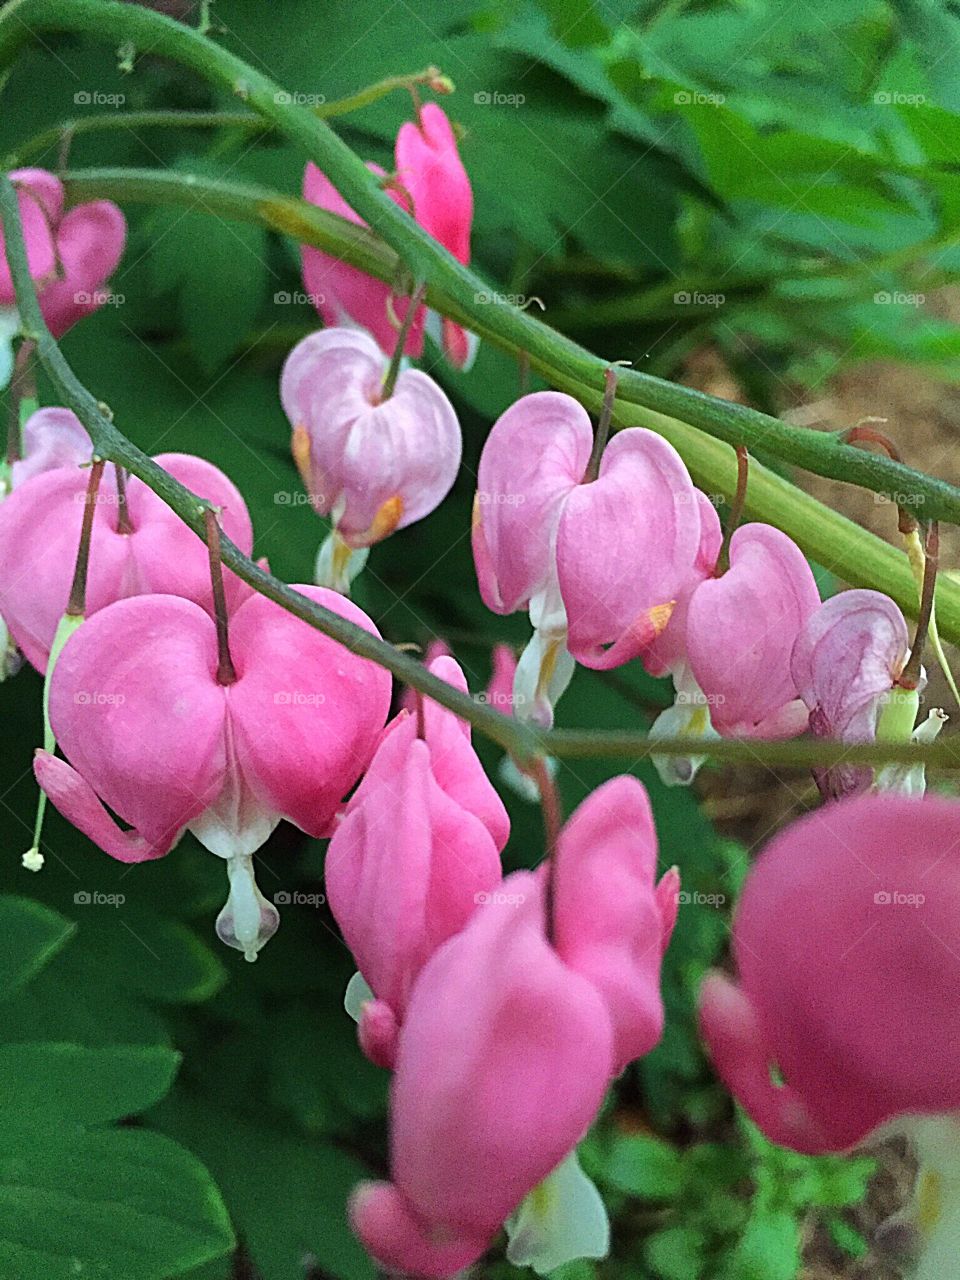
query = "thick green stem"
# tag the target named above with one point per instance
(853, 553)
(424, 258)
(520, 740)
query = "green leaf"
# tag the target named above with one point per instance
(642, 1166)
(768, 1250)
(103, 1204)
(287, 1193)
(676, 1254)
(86, 1086)
(29, 935)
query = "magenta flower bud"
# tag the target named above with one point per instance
(156, 553)
(345, 295)
(417, 848)
(503, 1060)
(70, 255)
(372, 464)
(612, 922)
(431, 184)
(430, 169)
(741, 629)
(147, 729)
(842, 921)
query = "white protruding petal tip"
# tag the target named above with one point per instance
(357, 994)
(248, 921)
(562, 1219)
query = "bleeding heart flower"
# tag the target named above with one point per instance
(136, 548)
(416, 850)
(373, 464)
(836, 1029)
(148, 729)
(432, 184)
(741, 629)
(70, 256)
(503, 1060)
(600, 564)
(612, 922)
(846, 663)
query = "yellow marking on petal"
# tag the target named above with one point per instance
(918, 561)
(541, 1198)
(341, 556)
(476, 515)
(699, 721)
(548, 666)
(386, 519)
(300, 448)
(929, 1200)
(660, 615)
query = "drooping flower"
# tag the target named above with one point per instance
(599, 564)
(137, 547)
(148, 729)
(835, 1029)
(417, 849)
(431, 184)
(846, 663)
(740, 633)
(70, 255)
(612, 921)
(503, 1060)
(372, 464)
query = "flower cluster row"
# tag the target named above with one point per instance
(503, 1005)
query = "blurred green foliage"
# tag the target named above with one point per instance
(780, 181)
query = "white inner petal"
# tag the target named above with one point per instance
(9, 328)
(337, 564)
(562, 1219)
(357, 994)
(237, 823)
(936, 1208)
(688, 717)
(247, 920)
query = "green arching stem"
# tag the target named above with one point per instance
(856, 555)
(520, 740)
(822, 453)
(250, 120)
